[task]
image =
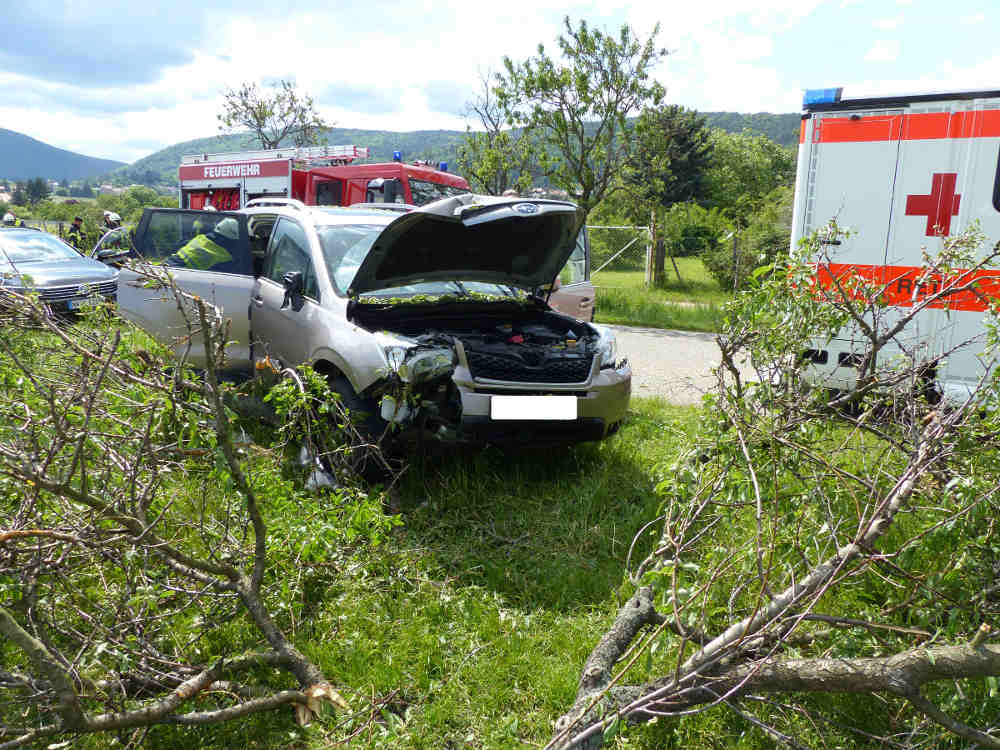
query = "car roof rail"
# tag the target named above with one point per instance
(283, 202)
(397, 207)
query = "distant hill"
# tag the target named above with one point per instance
(22, 157)
(783, 129)
(435, 145)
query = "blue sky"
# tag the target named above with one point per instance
(122, 80)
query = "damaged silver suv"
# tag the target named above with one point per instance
(434, 320)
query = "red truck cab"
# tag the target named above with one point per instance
(318, 176)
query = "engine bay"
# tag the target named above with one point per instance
(504, 344)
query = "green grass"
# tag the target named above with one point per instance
(471, 622)
(692, 305)
(478, 614)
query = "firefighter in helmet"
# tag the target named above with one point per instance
(210, 251)
(9, 220)
(75, 234)
(111, 221)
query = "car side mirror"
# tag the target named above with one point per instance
(294, 287)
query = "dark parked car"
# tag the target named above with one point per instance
(35, 261)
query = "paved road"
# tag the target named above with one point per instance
(673, 364)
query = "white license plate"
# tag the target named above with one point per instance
(80, 304)
(533, 407)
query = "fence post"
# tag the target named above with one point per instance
(736, 255)
(649, 249)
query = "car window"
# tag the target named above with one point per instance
(575, 269)
(162, 237)
(200, 240)
(29, 246)
(344, 247)
(289, 251)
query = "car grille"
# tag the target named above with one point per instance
(62, 293)
(489, 366)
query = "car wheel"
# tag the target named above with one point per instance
(369, 456)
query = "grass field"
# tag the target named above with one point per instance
(692, 304)
(476, 615)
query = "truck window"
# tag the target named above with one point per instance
(290, 252)
(330, 193)
(424, 191)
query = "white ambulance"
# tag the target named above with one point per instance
(901, 173)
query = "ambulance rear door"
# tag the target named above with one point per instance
(846, 173)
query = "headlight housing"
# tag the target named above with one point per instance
(415, 363)
(425, 365)
(607, 347)
(393, 348)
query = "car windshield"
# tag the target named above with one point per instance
(345, 246)
(35, 247)
(447, 288)
(426, 192)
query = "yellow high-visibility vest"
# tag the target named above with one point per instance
(202, 254)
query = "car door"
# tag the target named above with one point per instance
(573, 294)
(159, 240)
(285, 328)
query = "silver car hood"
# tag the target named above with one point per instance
(61, 272)
(513, 241)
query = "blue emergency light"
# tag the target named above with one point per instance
(821, 96)
(443, 166)
(397, 156)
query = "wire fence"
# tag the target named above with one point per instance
(618, 248)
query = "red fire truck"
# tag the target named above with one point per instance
(319, 176)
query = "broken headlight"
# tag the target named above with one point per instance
(425, 365)
(607, 347)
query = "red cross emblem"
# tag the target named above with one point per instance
(939, 206)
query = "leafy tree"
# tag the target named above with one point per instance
(37, 189)
(577, 106)
(83, 190)
(273, 115)
(499, 157)
(669, 158)
(671, 151)
(19, 196)
(745, 169)
(759, 243)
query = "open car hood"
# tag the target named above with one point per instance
(515, 241)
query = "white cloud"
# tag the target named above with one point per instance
(724, 60)
(888, 24)
(946, 77)
(883, 50)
